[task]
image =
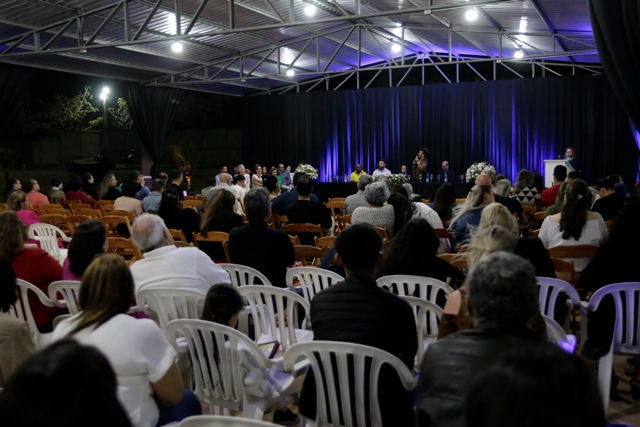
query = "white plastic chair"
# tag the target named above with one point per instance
(47, 235)
(219, 380)
(325, 356)
(626, 334)
(241, 275)
(221, 421)
(558, 336)
(312, 280)
(275, 311)
(22, 310)
(68, 290)
(427, 315)
(549, 291)
(171, 304)
(402, 284)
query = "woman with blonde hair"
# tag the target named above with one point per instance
(19, 203)
(150, 385)
(468, 217)
(108, 189)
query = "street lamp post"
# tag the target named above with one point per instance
(103, 96)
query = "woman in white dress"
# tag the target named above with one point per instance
(150, 385)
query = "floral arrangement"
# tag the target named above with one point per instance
(392, 180)
(307, 169)
(477, 168)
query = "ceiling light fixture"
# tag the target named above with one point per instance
(290, 72)
(519, 53)
(310, 10)
(395, 48)
(176, 47)
(398, 24)
(471, 14)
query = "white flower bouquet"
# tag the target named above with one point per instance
(308, 170)
(476, 169)
(392, 180)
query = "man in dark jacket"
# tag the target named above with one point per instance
(358, 311)
(502, 297)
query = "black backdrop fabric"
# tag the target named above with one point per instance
(13, 84)
(512, 124)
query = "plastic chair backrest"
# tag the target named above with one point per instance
(556, 335)
(218, 379)
(22, 310)
(69, 291)
(275, 312)
(222, 421)
(331, 356)
(312, 280)
(427, 315)
(242, 275)
(47, 235)
(402, 284)
(171, 303)
(549, 291)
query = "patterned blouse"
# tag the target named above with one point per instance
(527, 196)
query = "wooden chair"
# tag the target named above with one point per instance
(125, 248)
(54, 219)
(608, 224)
(460, 201)
(344, 220)
(189, 198)
(178, 235)
(309, 255)
(3, 207)
(191, 203)
(74, 220)
(225, 246)
(458, 261)
(304, 230)
(534, 233)
(425, 201)
(181, 244)
(337, 208)
(565, 270)
(104, 202)
(294, 239)
(75, 207)
(529, 209)
(213, 236)
(337, 199)
(55, 209)
(126, 214)
(384, 233)
(536, 220)
(112, 221)
(576, 251)
(443, 234)
(325, 242)
(93, 213)
(106, 208)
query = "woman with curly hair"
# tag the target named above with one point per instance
(575, 225)
(219, 216)
(524, 190)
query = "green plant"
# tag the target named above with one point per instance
(72, 113)
(186, 155)
(121, 115)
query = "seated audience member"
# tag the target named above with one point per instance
(56, 195)
(610, 202)
(74, 192)
(378, 213)
(149, 380)
(128, 202)
(357, 173)
(285, 175)
(413, 251)
(411, 195)
(284, 201)
(165, 265)
(502, 298)
(256, 178)
(444, 203)
(468, 217)
(524, 190)
(108, 189)
(358, 311)
(64, 385)
(404, 172)
(31, 264)
(16, 342)
(575, 225)
(538, 182)
(88, 186)
(271, 184)
(558, 205)
(211, 184)
(19, 203)
(419, 209)
(533, 386)
(138, 178)
(176, 177)
(488, 177)
(503, 188)
(223, 305)
(89, 240)
(276, 174)
(356, 200)
(223, 169)
(613, 252)
(618, 185)
(447, 175)
(259, 246)
(176, 217)
(36, 199)
(548, 196)
(219, 216)
(151, 203)
(13, 184)
(240, 185)
(307, 212)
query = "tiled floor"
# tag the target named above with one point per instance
(626, 411)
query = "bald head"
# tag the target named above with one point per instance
(149, 232)
(226, 178)
(483, 179)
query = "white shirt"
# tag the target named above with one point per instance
(592, 234)
(382, 172)
(180, 268)
(238, 192)
(139, 354)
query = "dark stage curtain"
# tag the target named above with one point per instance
(512, 124)
(13, 83)
(154, 111)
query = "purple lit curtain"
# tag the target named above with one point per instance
(154, 111)
(13, 84)
(512, 124)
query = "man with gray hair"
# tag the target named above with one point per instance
(165, 265)
(259, 246)
(356, 200)
(502, 297)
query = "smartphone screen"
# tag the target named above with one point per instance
(270, 348)
(184, 194)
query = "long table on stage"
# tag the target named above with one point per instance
(426, 190)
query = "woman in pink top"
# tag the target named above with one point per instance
(36, 199)
(74, 192)
(89, 240)
(19, 203)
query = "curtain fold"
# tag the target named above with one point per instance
(13, 83)
(154, 111)
(512, 124)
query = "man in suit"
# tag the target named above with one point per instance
(259, 246)
(447, 174)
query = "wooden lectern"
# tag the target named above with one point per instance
(549, 165)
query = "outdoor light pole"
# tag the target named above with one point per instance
(103, 96)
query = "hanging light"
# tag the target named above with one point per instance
(310, 10)
(395, 48)
(176, 47)
(471, 14)
(519, 53)
(290, 72)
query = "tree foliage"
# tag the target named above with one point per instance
(72, 113)
(121, 115)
